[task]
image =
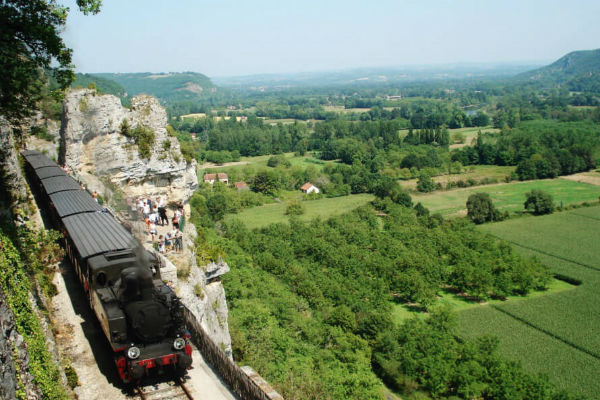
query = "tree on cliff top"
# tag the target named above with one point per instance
(29, 44)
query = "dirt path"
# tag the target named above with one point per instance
(591, 177)
(80, 339)
(227, 164)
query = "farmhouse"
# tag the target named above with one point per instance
(309, 188)
(211, 178)
(241, 186)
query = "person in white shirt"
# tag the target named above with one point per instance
(146, 210)
(153, 230)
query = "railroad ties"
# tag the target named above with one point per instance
(176, 390)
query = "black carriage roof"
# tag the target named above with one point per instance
(59, 184)
(97, 233)
(40, 161)
(47, 172)
(73, 202)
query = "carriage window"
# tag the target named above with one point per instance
(101, 279)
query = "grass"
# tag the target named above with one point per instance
(509, 197)
(477, 172)
(267, 214)
(284, 121)
(470, 134)
(261, 161)
(342, 109)
(558, 334)
(538, 352)
(459, 303)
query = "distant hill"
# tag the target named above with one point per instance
(104, 85)
(578, 71)
(168, 87)
(372, 76)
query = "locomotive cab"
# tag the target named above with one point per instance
(102, 273)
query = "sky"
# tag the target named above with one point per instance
(243, 37)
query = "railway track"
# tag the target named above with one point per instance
(175, 389)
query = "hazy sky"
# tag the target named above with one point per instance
(227, 37)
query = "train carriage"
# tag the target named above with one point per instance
(140, 315)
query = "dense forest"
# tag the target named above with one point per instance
(311, 303)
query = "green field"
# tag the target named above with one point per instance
(509, 196)
(469, 134)
(402, 311)
(261, 161)
(557, 334)
(267, 214)
(476, 172)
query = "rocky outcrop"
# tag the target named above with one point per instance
(96, 151)
(93, 146)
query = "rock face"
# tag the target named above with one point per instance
(11, 181)
(92, 145)
(94, 149)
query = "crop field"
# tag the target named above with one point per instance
(510, 196)
(342, 109)
(267, 214)
(557, 334)
(477, 172)
(261, 161)
(402, 311)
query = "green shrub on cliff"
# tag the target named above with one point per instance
(15, 284)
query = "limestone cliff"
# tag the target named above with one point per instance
(93, 146)
(95, 150)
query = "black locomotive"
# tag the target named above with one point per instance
(141, 316)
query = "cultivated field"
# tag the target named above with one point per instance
(509, 196)
(476, 172)
(267, 214)
(557, 334)
(342, 109)
(261, 161)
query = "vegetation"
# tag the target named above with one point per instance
(539, 202)
(143, 136)
(550, 334)
(168, 87)
(259, 217)
(102, 86)
(510, 197)
(294, 207)
(540, 149)
(25, 253)
(31, 43)
(427, 354)
(300, 288)
(480, 208)
(425, 183)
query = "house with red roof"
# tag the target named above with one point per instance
(211, 178)
(241, 186)
(309, 188)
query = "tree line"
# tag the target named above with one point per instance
(539, 149)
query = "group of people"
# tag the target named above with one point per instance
(173, 240)
(155, 213)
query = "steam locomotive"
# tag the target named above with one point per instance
(140, 316)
